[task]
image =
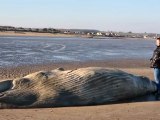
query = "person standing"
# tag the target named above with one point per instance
(155, 64)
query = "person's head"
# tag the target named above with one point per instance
(158, 41)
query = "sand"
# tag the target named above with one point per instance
(146, 110)
(127, 111)
(135, 66)
(35, 34)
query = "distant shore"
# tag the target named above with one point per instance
(35, 34)
(62, 35)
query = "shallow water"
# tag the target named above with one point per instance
(34, 50)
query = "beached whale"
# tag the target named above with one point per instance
(83, 86)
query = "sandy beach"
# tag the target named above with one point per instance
(146, 110)
(35, 34)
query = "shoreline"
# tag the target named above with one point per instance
(135, 66)
(60, 35)
(35, 34)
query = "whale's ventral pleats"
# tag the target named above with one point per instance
(83, 86)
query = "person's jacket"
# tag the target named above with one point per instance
(155, 60)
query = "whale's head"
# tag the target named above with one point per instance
(30, 90)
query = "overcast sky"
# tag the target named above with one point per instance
(115, 15)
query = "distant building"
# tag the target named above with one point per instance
(145, 36)
(99, 34)
(67, 32)
(7, 28)
(107, 34)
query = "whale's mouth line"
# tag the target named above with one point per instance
(6, 85)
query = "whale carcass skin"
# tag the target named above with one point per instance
(83, 86)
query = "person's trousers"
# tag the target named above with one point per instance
(157, 77)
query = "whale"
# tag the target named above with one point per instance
(77, 87)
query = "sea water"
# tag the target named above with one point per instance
(36, 50)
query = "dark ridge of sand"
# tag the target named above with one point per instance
(19, 71)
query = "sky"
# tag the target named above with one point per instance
(105, 15)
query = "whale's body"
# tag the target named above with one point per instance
(84, 86)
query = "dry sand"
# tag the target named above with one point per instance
(147, 110)
(12, 33)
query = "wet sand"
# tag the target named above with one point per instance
(146, 110)
(135, 66)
